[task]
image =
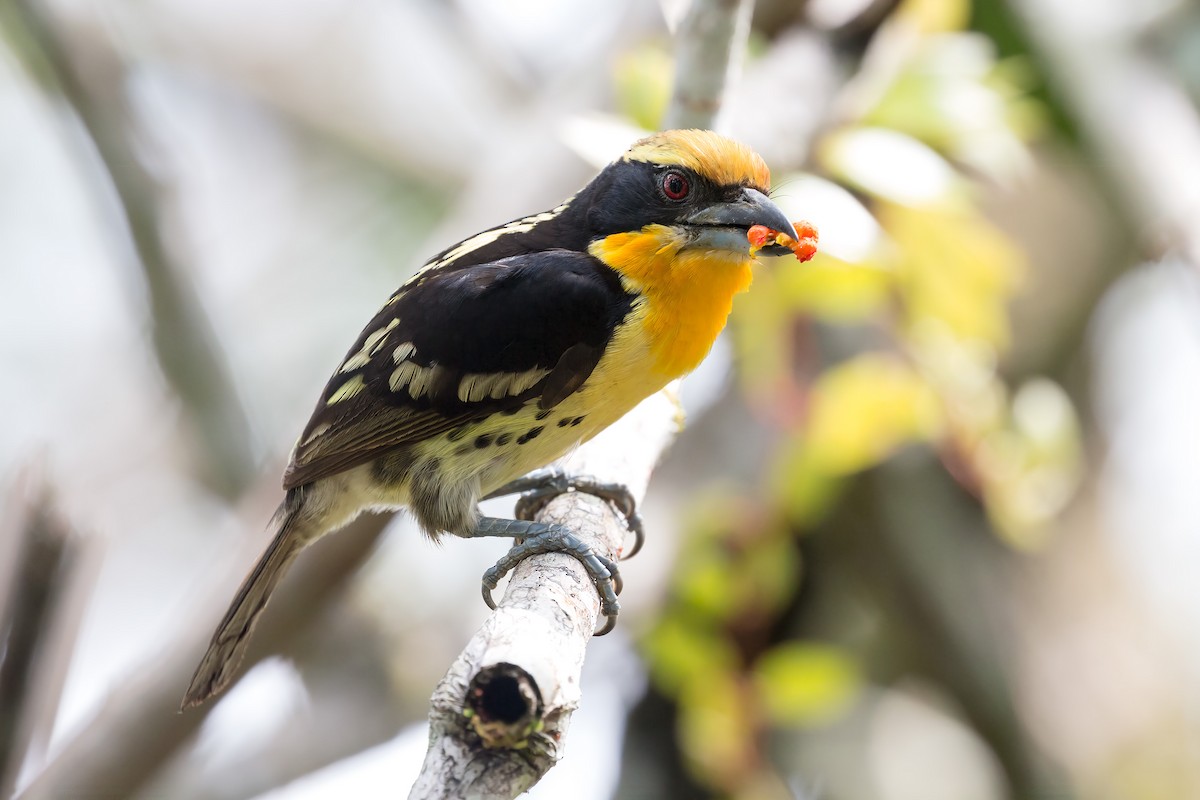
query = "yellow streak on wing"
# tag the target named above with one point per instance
(484, 238)
(686, 294)
(403, 352)
(403, 375)
(346, 390)
(370, 347)
(722, 160)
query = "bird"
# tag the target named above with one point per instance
(510, 348)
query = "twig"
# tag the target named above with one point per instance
(500, 715)
(140, 725)
(709, 46)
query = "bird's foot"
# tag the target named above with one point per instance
(541, 537)
(538, 488)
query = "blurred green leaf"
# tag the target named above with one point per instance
(705, 584)
(802, 683)
(642, 82)
(802, 485)
(682, 652)
(766, 573)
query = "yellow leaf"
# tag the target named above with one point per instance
(716, 732)
(681, 653)
(802, 484)
(704, 584)
(836, 290)
(642, 82)
(760, 321)
(954, 267)
(805, 683)
(863, 409)
(935, 16)
(766, 573)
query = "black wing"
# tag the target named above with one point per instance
(457, 345)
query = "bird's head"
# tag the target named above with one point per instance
(694, 188)
(672, 217)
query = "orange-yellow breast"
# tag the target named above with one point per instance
(685, 295)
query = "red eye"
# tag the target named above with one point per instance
(675, 185)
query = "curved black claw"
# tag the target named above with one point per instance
(540, 487)
(538, 538)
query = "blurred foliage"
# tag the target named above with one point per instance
(924, 310)
(642, 81)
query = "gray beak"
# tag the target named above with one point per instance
(751, 208)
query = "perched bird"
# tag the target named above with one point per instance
(512, 347)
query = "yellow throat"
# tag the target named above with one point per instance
(685, 294)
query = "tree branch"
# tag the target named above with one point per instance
(499, 717)
(709, 46)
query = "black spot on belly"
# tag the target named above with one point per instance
(576, 421)
(564, 422)
(532, 433)
(483, 441)
(504, 439)
(541, 415)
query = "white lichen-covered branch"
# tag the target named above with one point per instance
(499, 717)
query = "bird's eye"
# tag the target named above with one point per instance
(675, 185)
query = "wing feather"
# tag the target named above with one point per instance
(458, 345)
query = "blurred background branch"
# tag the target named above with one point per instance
(90, 77)
(42, 564)
(709, 45)
(140, 726)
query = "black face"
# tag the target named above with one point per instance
(626, 196)
(630, 194)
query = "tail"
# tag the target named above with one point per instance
(228, 644)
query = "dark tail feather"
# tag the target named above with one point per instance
(228, 644)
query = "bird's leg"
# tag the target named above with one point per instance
(544, 537)
(541, 486)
